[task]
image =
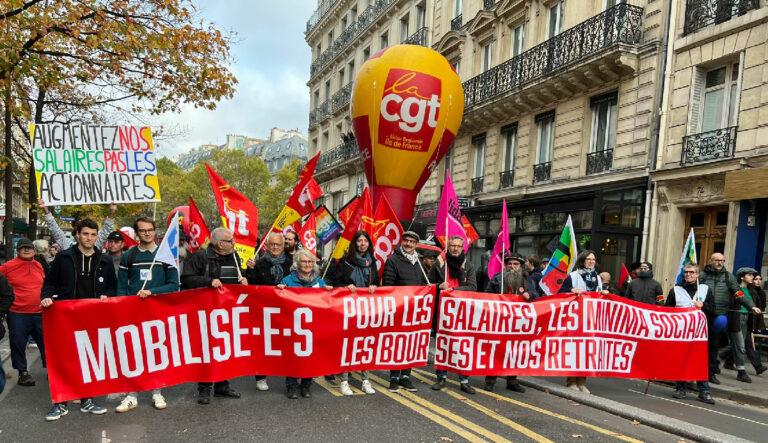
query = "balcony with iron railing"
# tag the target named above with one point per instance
(456, 23)
(477, 185)
(329, 108)
(362, 23)
(320, 113)
(542, 172)
(599, 161)
(322, 10)
(585, 56)
(341, 154)
(702, 13)
(418, 38)
(506, 179)
(709, 146)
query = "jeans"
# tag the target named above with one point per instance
(702, 386)
(293, 381)
(345, 375)
(443, 374)
(737, 348)
(398, 374)
(21, 326)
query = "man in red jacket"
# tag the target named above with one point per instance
(25, 275)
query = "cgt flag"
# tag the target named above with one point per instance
(387, 233)
(238, 214)
(198, 235)
(300, 203)
(562, 261)
(472, 235)
(308, 234)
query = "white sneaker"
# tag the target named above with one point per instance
(128, 403)
(159, 401)
(262, 385)
(367, 388)
(583, 389)
(345, 389)
(574, 386)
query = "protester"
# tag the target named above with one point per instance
(427, 256)
(79, 272)
(533, 267)
(723, 285)
(356, 269)
(634, 268)
(605, 279)
(403, 268)
(6, 301)
(757, 322)
(114, 247)
(692, 293)
(583, 279)
(304, 274)
(212, 267)
(53, 251)
(42, 255)
(25, 275)
(461, 276)
(291, 244)
(269, 270)
(743, 307)
(138, 275)
(644, 288)
(516, 281)
(58, 236)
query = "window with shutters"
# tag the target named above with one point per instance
(556, 17)
(508, 146)
(487, 55)
(714, 98)
(404, 32)
(546, 137)
(518, 40)
(478, 142)
(604, 109)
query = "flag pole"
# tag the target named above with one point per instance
(445, 249)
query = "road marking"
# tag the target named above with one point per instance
(671, 400)
(332, 389)
(595, 428)
(447, 414)
(458, 430)
(493, 414)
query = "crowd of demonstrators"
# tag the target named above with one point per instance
(140, 275)
(114, 247)
(403, 268)
(533, 267)
(356, 269)
(304, 274)
(453, 272)
(644, 288)
(212, 267)
(61, 239)
(25, 275)
(80, 272)
(42, 254)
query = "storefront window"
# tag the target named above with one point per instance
(530, 223)
(553, 221)
(582, 219)
(622, 208)
(611, 214)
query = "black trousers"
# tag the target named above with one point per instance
(217, 387)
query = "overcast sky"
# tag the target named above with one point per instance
(271, 63)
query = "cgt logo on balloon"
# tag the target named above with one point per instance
(411, 103)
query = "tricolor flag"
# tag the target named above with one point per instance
(688, 257)
(448, 223)
(562, 261)
(496, 263)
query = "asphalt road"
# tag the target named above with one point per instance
(425, 416)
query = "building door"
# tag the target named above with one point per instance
(709, 227)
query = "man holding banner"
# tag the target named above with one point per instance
(213, 267)
(141, 275)
(79, 272)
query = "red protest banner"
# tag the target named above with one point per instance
(126, 344)
(565, 335)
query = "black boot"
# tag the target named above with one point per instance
(439, 384)
(760, 369)
(515, 386)
(292, 392)
(305, 392)
(743, 377)
(226, 392)
(489, 385)
(714, 380)
(25, 379)
(204, 396)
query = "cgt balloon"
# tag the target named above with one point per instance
(407, 106)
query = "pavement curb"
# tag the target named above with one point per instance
(727, 394)
(667, 424)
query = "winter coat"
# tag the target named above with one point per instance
(260, 274)
(204, 266)
(645, 290)
(26, 277)
(398, 271)
(468, 283)
(6, 296)
(576, 280)
(723, 285)
(494, 286)
(533, 284)
(292, 280)
(341, 273)
(61, 281)
(709, 302)
(757, 322)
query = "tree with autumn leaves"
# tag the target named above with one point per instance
(99, 61)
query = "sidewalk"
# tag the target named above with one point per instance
(755, 393)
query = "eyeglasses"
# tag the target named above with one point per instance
(691, 272)
(146, 231)
(307, 262)
(231, 240)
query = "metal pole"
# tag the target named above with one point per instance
(8, 179)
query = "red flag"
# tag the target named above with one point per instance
(346, 212)
(197, 232)
(352, 225)
(472, 235)
(308, 234)
(387, 232)
(623, 276)
(237, 213)
(300, 203)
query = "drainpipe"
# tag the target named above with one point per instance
(658, 131)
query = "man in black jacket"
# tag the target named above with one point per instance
(403, 268)
(211, 268)
(644, 288)
(79, 272)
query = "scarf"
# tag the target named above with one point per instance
(309, 281)
(455, 266)
(413, 257)
(276, 268)
(361, 272)
(590, 278)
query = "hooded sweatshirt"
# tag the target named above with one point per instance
(26, 277)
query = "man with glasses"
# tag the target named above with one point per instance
(644, 288)
(724, 286)
(403, 268)
(213, 267)
(138, 276)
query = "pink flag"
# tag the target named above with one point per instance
(448, 223)
(502, 243)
